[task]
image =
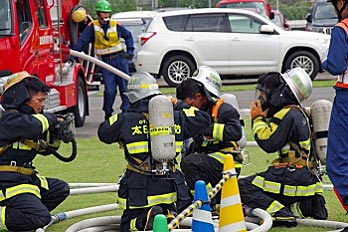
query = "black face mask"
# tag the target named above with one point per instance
(264, 104)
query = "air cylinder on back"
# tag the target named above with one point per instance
(320, 112)
(232, 100)
(161, 126)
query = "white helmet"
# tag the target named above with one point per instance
(210, 79)
(141, 85)
(299, 82)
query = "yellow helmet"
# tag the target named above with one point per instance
(79, 15)
(14, 79)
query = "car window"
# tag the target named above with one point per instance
(135, 26)
(175, 23)
(277, 20)
(244, 24)
(324, 10)
(206, 23)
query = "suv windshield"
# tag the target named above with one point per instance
(324, 10)
(257, 7)
(5, 18)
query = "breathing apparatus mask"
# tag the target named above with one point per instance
(262, 97)
(273, 92)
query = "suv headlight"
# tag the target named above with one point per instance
(324, 44)
(323, 40)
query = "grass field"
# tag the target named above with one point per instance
(100, 163)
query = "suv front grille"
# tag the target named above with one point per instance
(325, 30)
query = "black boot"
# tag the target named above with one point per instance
(285, 218)
(107, 116)
(314, 207)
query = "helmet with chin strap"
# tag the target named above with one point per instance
(339, 11)
(19, 88)
(211, 81)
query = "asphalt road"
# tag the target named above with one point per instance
(244, 100)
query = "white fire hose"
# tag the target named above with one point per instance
(97, 62)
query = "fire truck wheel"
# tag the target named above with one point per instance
(80, 109)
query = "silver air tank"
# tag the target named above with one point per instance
(161, 126)
(232, 100)
(320, 112)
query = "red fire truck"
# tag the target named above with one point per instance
(33, 34)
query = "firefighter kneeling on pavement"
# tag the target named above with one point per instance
(151, 185)
(26, 198)
(291, 187)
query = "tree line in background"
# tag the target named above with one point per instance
(292, 9)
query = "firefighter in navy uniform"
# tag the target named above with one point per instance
(142, 194)
(106, 35)
(291, 186)
(26, 198)
(205, 156)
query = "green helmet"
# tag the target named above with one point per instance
(103, 6)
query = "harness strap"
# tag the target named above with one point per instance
(215, 109)
(31, 143)
(27, 142)
(4, 148)
(18, 169)
(303, 154)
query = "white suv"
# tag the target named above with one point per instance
(232, 41)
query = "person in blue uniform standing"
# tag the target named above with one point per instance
(337, 64)
(106, 35)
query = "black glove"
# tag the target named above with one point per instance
(126, 55)
(62, 130)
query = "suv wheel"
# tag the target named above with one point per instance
(305, 60)
(177, 68)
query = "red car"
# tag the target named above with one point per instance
(279, 20)
(262, 6)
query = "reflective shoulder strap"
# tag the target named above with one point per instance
(343, 24)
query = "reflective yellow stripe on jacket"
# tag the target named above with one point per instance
(21, 146)
(19, 189)
(263, 131)
(138, 147)
(43, 120)
(289, 190)
(143, 147)
(218, 131)
(220, 156)
(274, 207)
(190, 112)
(167, 198)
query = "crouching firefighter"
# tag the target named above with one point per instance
(291, 187)
(205, 157)
(151, 133)
(26, 198)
